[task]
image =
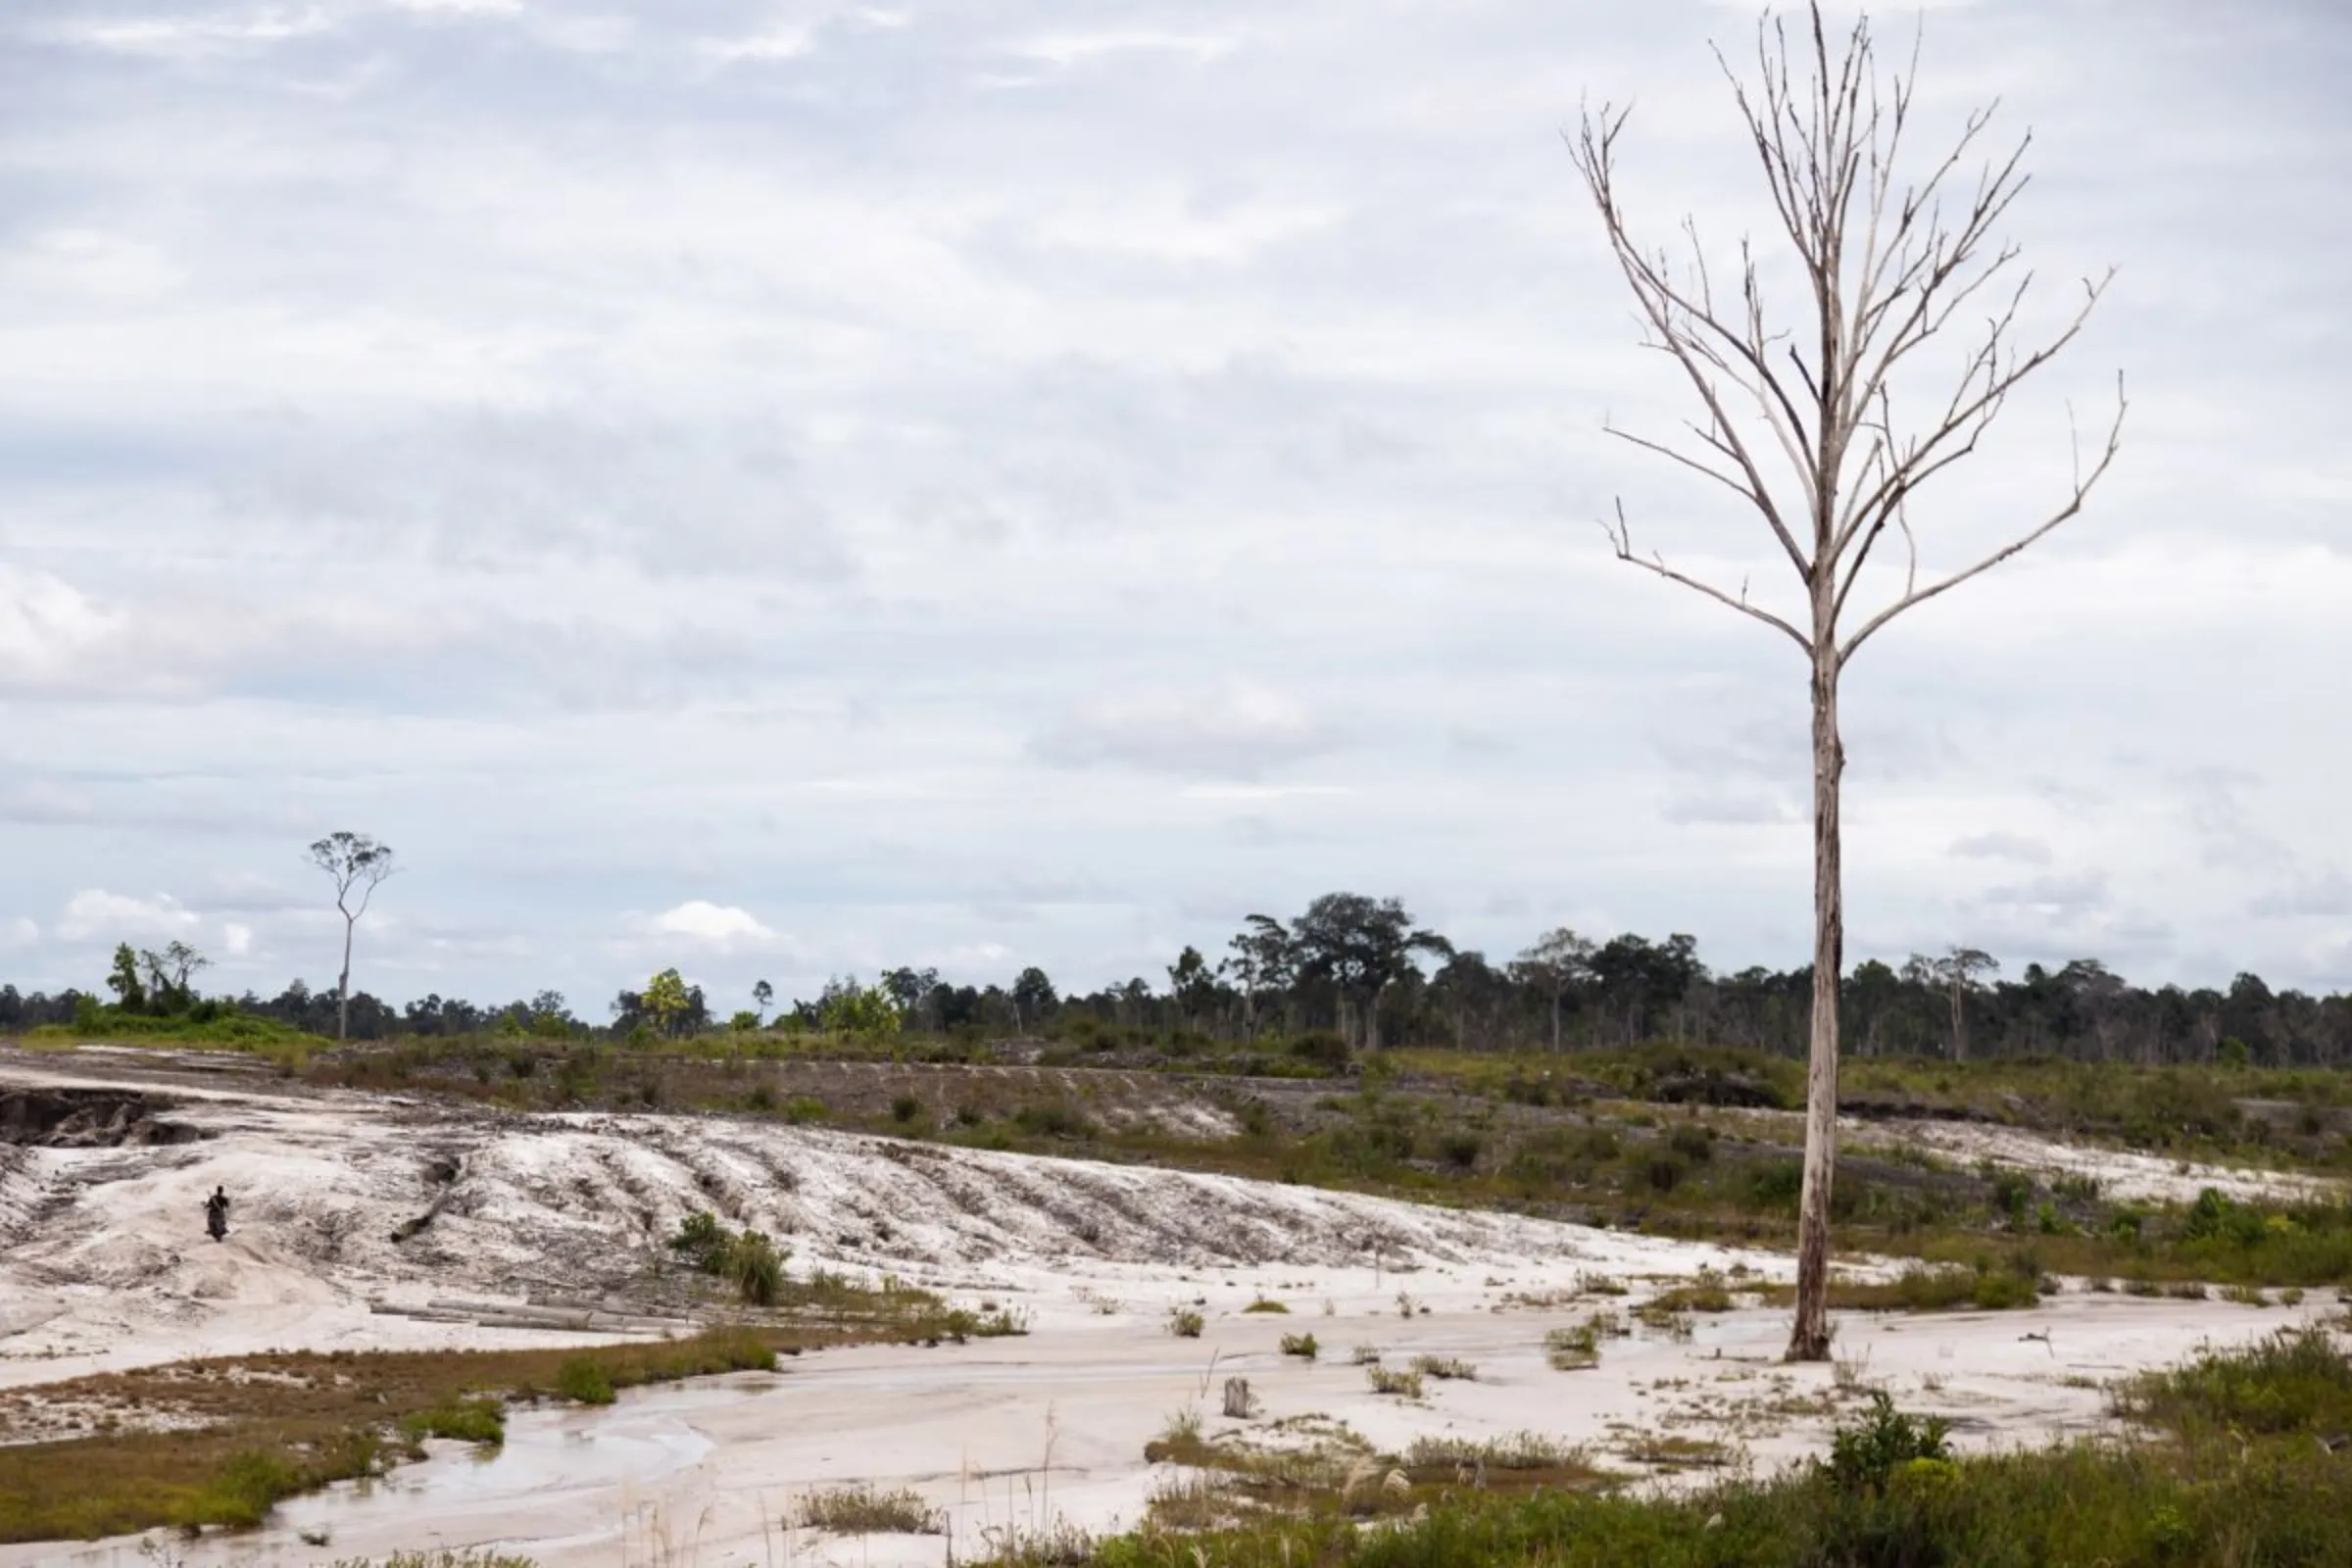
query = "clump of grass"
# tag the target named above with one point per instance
(1185, 1322)
(482, 1422)
(866, 1510)
(1520, 1450)
(2291, 1380)
(1708, 1293)
(1599, 1284)
(1662, 1450)
(754, 1267)
(1265, 1304)
(1941, 1289)
(1572, 1349)
(1365, 1356)
(1404, 1384)
(586, 1380)
(1578, 1347)
(1446, 1368)
(989, 1322)
(1301, 1346)
(1053, 1120)
(1676, 1326)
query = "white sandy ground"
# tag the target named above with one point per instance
(105, 1266)
(2121, 1173)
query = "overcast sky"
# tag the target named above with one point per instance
(783, 489)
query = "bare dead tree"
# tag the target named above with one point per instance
(1888, 270)
(356, 863)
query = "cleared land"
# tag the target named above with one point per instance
(1514, 1348)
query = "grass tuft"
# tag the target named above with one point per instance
(866, 1510)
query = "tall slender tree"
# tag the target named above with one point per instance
(1889, 259)
(358, 865)
(1558, 962)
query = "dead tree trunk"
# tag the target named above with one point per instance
(1886, 272)
(1810, 1338)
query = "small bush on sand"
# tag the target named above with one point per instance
(1184, 1323)
(1301, 1346)
(865, 1511)
(1572, 1349)
(1446, 1367)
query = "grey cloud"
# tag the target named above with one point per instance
(1742, 808)
(2324, 893)
(2022, 848)
(485, 487)
(2214, 803)
(1754, 749)
(1237, 730)
(2065, 894)
(1473, 740)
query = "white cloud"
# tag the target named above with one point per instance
(188, 36)
(48, 629)
(465, 8)
(95, 914)
(782, 43)
(718, 928)
(236, 938)
(1262, 792)
(19, 932)
(1070, 49)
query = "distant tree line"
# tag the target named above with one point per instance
(1364, 974)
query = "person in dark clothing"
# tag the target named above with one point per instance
(215, 1213)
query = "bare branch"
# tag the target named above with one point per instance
(1684, 458)
(1976, 401)
(1914, 595)
(1686, 329)
(1621, 540)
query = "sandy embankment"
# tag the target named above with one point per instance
(105, 1266)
